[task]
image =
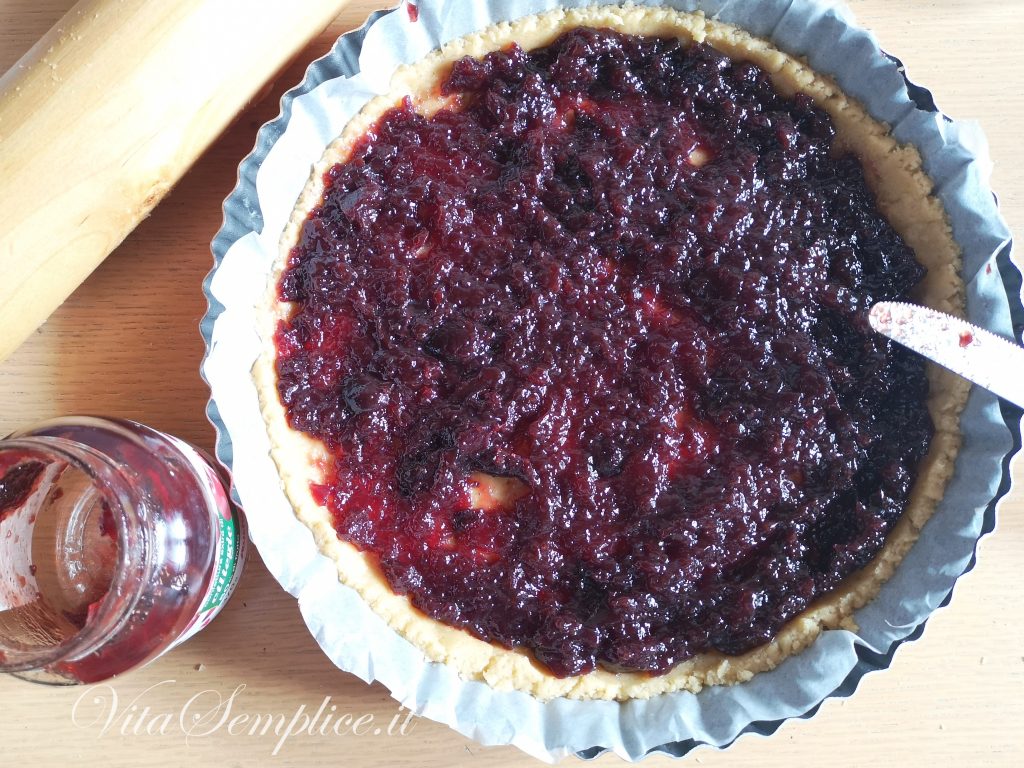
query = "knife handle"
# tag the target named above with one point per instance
(105, 113)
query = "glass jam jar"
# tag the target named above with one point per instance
(117, 543)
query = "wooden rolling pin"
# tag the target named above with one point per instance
(106, 112)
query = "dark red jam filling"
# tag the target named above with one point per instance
(631, 276)
(16, 485)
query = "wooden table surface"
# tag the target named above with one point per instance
(126, 344)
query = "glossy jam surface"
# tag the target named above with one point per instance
(629, 280)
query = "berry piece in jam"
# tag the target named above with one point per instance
(16, 484)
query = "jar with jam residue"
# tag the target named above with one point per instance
(117, 543)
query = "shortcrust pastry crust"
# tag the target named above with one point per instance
(903, 194)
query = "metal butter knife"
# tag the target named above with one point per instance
(978, 355)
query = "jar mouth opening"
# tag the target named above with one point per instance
(104, 492)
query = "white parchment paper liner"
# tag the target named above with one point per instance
(360, 642)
